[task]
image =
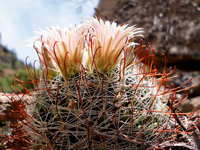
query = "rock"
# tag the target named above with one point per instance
(172, 27)
(190, 79)
(9, 109)
(191, 104)
(10, 118)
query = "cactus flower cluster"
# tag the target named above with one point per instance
(102, 44)
(98, 89)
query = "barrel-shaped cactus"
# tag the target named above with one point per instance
(98, 89)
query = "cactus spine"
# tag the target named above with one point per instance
(98, 90)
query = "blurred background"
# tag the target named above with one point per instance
(172, 27)
(18, 21)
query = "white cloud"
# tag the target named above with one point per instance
(19, 18)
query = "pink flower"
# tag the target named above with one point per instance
(107, 41)
(62, 49)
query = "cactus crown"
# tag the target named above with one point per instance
(101, 44)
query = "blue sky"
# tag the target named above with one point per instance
(20, 18)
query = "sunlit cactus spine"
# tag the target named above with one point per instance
(100, 90)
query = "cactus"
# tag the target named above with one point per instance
(97, 89)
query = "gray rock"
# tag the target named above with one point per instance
(173, 27)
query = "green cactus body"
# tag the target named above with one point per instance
(108, 111)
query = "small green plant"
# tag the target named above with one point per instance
(98, 89)
(22, 75)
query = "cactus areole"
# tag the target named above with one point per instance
(98, 89)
